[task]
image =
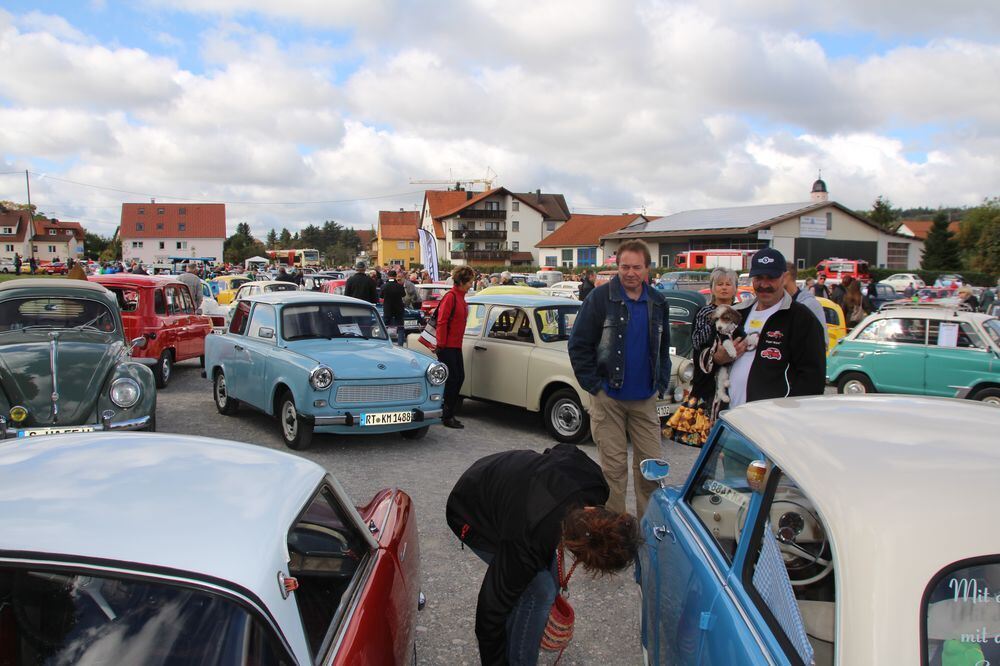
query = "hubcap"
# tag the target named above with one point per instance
(166, 368)
(289, 420)
(220, 391)
(993, 401)
(855, 386)
(567, 417)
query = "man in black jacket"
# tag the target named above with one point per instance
(361, 286)
(587, 285)
(393, 311)
(515, 509)
(790, 354)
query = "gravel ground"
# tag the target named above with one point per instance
(607, 609)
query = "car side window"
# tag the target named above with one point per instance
(900, 330)
(261, 321)
(789, 573)
(954, 334)
(240, 318)
(720, 494)
(474, 324)
(510, 324)
(159, 304)
(325, 552)
(187, 303)
(174, 305)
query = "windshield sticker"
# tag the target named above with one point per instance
(348, 329)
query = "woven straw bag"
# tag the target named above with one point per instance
(559, 628)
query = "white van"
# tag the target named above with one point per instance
(549, 277)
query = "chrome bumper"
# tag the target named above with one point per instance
(351, 419)
(6, 432)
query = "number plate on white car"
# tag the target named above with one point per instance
(663, 410)
(386, 418)
(37, 432)
(410, 323)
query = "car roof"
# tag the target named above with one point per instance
(264, 283)
(902, 483)
(933, 311)
(49, 283)
(298, 297)
(133, 280)
(205, 506)
(522, 300)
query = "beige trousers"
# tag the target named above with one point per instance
(612, 424)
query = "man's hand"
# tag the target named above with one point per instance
(722, 357)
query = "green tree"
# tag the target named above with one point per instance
(113, 250)
(285, 239)
(941, 250)
(883, 215)
(241, 245)
(979, 237)
(94, 245)
(272, 239)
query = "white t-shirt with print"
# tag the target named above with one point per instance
(739, 371)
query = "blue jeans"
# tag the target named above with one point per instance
(526, 622)
(398, 322)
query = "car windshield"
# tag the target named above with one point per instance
(556, 323)
(281, 286)
(18, 314)
(330, 321)
(992, 327)
(237, 283)
(55, 617)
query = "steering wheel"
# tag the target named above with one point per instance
(790, 525)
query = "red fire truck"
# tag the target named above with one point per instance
(737, 260)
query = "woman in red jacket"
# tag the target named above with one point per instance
(451, 315)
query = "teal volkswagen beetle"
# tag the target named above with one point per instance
(921, 350)
(65, 364)
(322, 363)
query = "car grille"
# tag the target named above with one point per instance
(375, 393)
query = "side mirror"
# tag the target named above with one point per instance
(264, 332)
(655, 469)
(138, 343)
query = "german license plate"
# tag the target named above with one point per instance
(386, 418)
(663, 410)
(37, 432)
(410, 323)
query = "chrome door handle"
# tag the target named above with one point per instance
(478, 348)
(660, 531)
(877, 352)
(239, 348)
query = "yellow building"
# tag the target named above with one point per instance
(398, 242)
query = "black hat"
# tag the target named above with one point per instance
(768, 262)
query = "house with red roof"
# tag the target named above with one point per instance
(153, 233)
(921, 228)
(577, 243)
(15, 234)
(398, 240)
(56, 240)
(495, 227)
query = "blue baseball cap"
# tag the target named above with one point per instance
(768, 262)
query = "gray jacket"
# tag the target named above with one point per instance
(806, 298)
(193, 283)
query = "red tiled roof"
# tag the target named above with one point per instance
(394, 217)
(921, 228)
(42, 230)
(18, 219)
(521, 256)
(398, 232)
(586, 230)
(476, 198)
(199, 220)
(365, 236)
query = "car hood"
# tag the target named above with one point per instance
(362, 359)
(82, 365)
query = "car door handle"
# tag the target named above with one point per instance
(478, 348)
(660, 531)
(877, 352)
(239, 348)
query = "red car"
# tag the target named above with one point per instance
(161, 309)
(53, 268)
(430, 295)
(333, 287)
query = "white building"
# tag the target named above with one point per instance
(153, 233)
(577, 243)
(492, 227)
(55, 240)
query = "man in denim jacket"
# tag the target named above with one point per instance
(620, 351)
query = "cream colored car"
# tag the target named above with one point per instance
(516, 353)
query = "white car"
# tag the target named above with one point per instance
(516, 352)
(849, 530)
(211, 307)
(901, 281)
(257, 288)
(565, 289)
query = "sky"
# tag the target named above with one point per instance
(301, 111)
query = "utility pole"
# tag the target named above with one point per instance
(27, 184)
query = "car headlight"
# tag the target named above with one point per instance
(437, 373)
(125, 392)
(679, 394)
(686, 371)
(321, 377)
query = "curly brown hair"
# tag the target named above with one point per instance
(602, 541)
(463, 274)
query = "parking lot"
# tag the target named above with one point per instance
(607, 609)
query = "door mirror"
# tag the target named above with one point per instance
(138, 343)
(655, 469)
(265, 332)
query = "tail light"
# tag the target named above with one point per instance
(218, 321)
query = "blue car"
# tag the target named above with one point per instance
(322, 363)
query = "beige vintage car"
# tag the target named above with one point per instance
(516, 353)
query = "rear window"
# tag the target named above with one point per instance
(55, 313)
(961, 615)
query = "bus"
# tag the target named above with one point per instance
(297, 258)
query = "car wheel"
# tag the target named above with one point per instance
(419, 433)
(164, 366)
(854, 383)
(296, 428)
(201, 361)
(565, 418)
(989, 396)
(151, 427)
(225, 403)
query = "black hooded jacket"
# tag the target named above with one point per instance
(512, 505)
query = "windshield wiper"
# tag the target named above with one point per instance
(89, 324)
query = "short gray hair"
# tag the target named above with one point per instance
(721, 274)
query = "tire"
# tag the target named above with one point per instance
(201, 361)
(565, 418)
(296, 429)
(152, 423)
(989, 396)
(224, 403)
(418, 433)
(164, 368)
(854, 383)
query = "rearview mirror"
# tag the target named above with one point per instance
(138, 343)
(655, 469)
(265, 332)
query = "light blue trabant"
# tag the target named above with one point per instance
(322, 363)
